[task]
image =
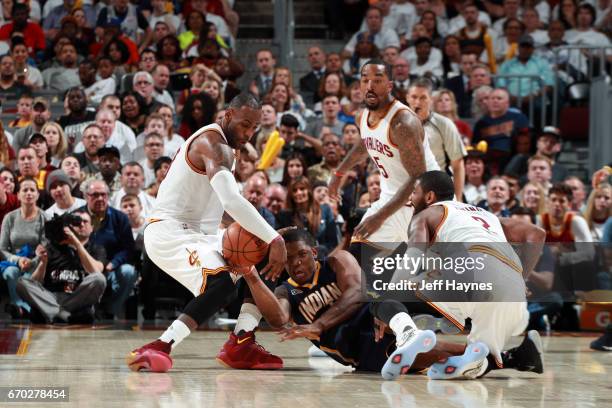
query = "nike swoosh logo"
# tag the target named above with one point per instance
(242, 340)
(607, 348)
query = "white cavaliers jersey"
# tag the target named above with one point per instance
(186, 195)
(467, 223)
(385, 153)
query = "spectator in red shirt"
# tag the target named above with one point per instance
(31, 32)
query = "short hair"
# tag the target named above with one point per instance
(92, 125)
(298, 235)
(264, 50)
(142, 74)
(512, 175)
(561, 189)
(131, 197)
(289, 120)
(539, 157)
(19, 7)
(102, 111)
(152, 135)
(378, 61)
(89, 183)
(422, 82)
(107, 97)
(497, 178)
(155, 116)
(133, 164)
(590, 9)
(89, 61)
(330, 95)
(245, 99)
(518, 210)
(374, 8)
(480, 65)
(159, 64)
(439, 182)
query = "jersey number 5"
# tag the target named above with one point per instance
(383, 172)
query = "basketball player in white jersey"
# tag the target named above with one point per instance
(393, 137)
(182, 238)
(438, 219)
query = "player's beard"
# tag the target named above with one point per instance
(372, 106)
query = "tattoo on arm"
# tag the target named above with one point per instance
(408, 134)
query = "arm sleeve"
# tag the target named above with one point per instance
(239, 208)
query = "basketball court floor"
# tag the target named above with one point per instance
(91, 363)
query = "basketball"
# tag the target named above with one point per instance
(241, 248)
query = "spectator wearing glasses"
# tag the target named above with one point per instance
(143, 85)
(112, 231)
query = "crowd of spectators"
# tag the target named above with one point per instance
(136, 79)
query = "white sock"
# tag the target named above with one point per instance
(177, 332)
(248, 319)
(399, 322)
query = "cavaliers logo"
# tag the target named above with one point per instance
(194, 258)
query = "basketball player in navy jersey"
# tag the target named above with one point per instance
(323, 299)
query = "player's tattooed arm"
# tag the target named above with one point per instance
(348, 277)
(408, 134)
(274, 307)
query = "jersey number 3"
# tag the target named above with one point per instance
(383, 172)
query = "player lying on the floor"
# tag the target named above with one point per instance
(484, 237)
(323, 298)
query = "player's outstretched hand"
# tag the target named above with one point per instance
(380, 328)
(277, 259)
(309, 331)
(368, 226)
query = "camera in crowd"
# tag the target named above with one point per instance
(54, 228)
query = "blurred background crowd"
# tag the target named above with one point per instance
(98, 96)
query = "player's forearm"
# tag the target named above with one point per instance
(355, 156)
(458, 167)
(239, 208)
(342, 309)
(266, 301)
(399, 200)
(534, 242)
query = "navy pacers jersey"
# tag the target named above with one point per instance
(352, 341)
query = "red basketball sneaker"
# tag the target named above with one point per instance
(244, 353)
(154, 356)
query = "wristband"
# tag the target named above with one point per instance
(338, 173)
